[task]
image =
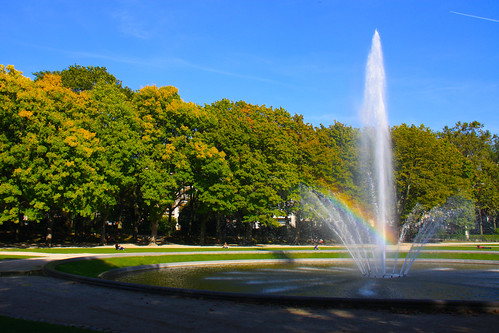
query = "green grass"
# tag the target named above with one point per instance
(459, 255)
(92, 268)
(12, 257)
(106, 250)
(109, 250)
(8, 324)
(493, 247)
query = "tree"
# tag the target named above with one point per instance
(211, 184)
(48, 152)
(314, 155)
(478, 146)
(260, 153)
(342, 141)
(461, 213)
(168, 125)
(80, 78)
(116, 125)
(19, 102)
(428, 170)
(67, 180)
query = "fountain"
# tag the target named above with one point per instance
(366, 235)
(376, 156)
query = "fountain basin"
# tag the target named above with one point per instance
(430, 280)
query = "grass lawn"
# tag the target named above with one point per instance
(13, 257)
(493, 247)
(109, 250)
(92, 268)
(105, 250)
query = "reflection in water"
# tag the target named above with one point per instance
(426, 281)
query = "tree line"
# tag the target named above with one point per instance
(83, 156)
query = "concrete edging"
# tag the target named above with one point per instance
(422, 305)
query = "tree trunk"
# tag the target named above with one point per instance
(298, 230)
(220, 237)
(19, 224)
(79, 230)
(403, 200)
(202, 231)
(103, 238)
(50, 226)
(288, 229)
(135, 230)
(138, 217)
(481, 222)
(103, 232)
(249, 233)
(170, 215)
(154, 231)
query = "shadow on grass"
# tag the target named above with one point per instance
(92, 267)
(89, 268)
(283, 255)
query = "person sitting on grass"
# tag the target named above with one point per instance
(118, 247)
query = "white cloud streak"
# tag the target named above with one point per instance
(477, 17)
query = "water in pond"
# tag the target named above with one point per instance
(426, 281)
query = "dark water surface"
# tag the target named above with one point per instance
(425, 281)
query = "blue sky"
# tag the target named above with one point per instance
(306, 56)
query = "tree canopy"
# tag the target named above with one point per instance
(81, 155)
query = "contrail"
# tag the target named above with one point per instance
(477, 17)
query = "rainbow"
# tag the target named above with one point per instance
(361, 217)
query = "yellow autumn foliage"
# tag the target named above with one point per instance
(25, 114)
(88, 151)
(71, 141)
(87, 135)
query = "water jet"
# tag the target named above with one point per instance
(366, 234)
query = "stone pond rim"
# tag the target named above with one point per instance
(398, 305)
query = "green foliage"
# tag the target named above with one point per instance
(472, 238)
(80, 78)
(462, 211)
(479, 147)
(261, 154)
(166, 225)
(490, 238)
(428, 169)
(78, 149)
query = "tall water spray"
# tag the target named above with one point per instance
(365, 235)
(376, 152)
